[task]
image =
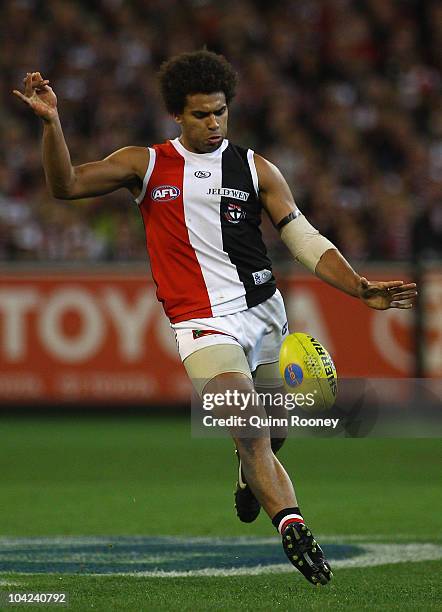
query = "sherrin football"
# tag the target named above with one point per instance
(306, 367)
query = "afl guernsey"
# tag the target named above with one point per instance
(202, 216)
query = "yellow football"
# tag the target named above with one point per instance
(306, 367)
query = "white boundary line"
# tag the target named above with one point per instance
(374, 554)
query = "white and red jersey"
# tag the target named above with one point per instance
(202, 216)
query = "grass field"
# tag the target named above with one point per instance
(106, 478)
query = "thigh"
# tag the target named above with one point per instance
(205, 364)
(267, 376)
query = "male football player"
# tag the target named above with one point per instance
(201, 199)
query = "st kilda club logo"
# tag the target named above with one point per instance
(233, 213)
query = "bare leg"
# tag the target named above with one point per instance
(270, 483)
(264, 473)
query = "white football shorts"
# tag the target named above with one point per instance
(257, 331)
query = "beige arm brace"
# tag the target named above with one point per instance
(305, 243)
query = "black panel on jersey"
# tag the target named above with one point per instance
(240, 226)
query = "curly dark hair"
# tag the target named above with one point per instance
(196, 72)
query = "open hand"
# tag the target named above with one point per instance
(39, 96)
(387, 294)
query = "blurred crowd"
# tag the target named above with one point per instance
(343, 95)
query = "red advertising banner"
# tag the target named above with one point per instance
(102, 336)
(79, 336)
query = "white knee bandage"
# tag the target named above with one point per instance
(305, 242)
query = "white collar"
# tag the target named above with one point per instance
(185, 152)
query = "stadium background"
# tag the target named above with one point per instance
(345, 98)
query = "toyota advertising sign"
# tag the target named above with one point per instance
(78, 335)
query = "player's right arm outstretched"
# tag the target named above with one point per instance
(124, 168)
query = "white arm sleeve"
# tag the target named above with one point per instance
(305, 242)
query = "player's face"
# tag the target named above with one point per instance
(203, 122)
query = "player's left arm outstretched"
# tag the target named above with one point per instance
(317, 253)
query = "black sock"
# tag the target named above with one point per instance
(293, 515)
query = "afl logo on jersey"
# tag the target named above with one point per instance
(202, 174)
(165, 193)
(234, 213)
